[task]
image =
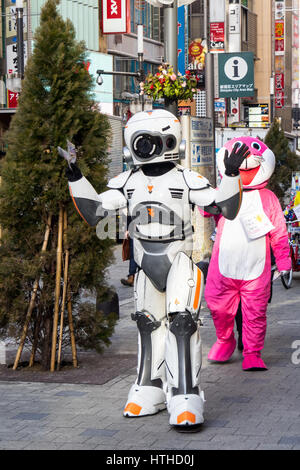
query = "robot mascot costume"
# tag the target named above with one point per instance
(240, 266)
(158, 195)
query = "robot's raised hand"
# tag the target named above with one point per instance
(72, 172)
(70, 154)
(235, 159)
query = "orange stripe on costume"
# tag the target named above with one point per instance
(76, 206)
(198, 287)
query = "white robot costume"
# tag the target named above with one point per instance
(158, 195)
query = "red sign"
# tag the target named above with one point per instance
(217, 36)
(114, 9)
(279, 81)
(12, 99)
(279, 99)
(115, 16)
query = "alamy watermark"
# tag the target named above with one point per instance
(295, 358)
(149, 221)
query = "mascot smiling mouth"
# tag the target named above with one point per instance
(249, 175)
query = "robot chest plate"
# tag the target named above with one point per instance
(169, 190)
(158, 206)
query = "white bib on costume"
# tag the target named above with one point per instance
(242, 251)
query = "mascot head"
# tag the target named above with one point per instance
(257, 168)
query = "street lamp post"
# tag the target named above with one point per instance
(140, 74)
(171, 44)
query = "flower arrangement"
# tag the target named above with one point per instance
(166, 84)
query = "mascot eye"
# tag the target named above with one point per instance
(256, 145)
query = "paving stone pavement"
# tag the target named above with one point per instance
(244, 410)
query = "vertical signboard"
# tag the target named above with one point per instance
(234, 27)
(181, 39)
(114, 16)
(11, 50)
(279, 48)
(295, 53)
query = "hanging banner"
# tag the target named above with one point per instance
(12, 57)
(197, 52)
(279, 98)
(12, 99)
(279, 81)
(217, 37)
(279, 36)
(279, 46)
(181, 39)
(114, 16)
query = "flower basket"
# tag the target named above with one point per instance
(166, 84)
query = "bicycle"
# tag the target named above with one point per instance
(294, 241)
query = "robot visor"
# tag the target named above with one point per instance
(147, 145)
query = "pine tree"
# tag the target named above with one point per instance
(286, 161)
(55, 104)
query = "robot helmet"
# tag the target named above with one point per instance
(153, 137)
(257, 168)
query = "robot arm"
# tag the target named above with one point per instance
(227, 199)
(91, 206)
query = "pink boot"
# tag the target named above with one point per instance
(222, 351)
(253, 361)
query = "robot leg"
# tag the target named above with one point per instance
(147, 395)
(185, 399)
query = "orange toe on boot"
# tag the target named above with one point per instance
(132, 409)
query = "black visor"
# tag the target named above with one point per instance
(148, 146)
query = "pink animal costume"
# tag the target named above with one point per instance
(241, 264)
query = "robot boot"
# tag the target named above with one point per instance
(183, 364)
(146, 396)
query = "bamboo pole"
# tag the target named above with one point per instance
(71, 327)
(69, 301)
(57, 288)
(33, 297)
(63, 303)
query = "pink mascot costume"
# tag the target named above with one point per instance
(240, 267)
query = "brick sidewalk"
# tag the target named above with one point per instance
(244, 410)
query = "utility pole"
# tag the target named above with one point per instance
(20, 37)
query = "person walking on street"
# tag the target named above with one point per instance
(129, 281)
